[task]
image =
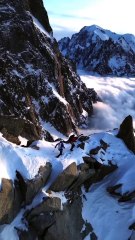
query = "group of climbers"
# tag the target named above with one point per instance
(60, 145)
(72, 139)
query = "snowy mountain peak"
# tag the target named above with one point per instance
(94, 29)
(91, 28)
(98, 50)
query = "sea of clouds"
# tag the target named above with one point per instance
(118, 96)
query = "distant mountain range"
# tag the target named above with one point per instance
(102, 51)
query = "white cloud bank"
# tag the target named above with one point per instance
(118, 95)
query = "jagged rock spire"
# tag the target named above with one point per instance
(38, 10)
(126, 133)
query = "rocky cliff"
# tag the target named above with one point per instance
(36, 82)
(102, 51)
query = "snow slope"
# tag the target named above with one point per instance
(40, 27)
(109, 218)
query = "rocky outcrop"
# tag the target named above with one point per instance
(26, 235)
(13, 195)
(35, 185)
(72, 178)
(114, 189)
(102, 51)
(98, 171)
(68, 223)
(126, 133)
(65, 179)
(10, 201)
(48, 205)
(8, 197)
(41, 222)
(12, 127)
(37, 84)
(29, 188)
(116, 192)
(84, 173)
(55, 220)
(38, 10)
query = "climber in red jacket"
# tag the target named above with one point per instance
(72, 139)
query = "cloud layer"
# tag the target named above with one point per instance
(118, 95)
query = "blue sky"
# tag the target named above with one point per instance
(67, 17)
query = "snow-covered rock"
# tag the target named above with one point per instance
(89, 211)
(102, 51)
(12, 127)
(38, 182)
(65, 179)
(21, 191)
(36, 82)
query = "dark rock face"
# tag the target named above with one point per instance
(48, 205)
(12, 127)
(22, 191)
(35, 185)
(126, 133)
(42, 222)
(27, 235)
(65, 179)
(97, 171)
(49, 221)
(82, 177)
(6, 201)
(68, 223)
(29, 188)
(116, 191)
(102, 51)
(10, 201)
(36, 81)
(38, 10)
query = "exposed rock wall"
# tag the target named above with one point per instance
(126, 133)
(6, 201)
(22, 191)
(38, 10)
(36, 82)
(12, 127)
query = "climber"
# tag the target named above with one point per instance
(60, 148)
(72, 139)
